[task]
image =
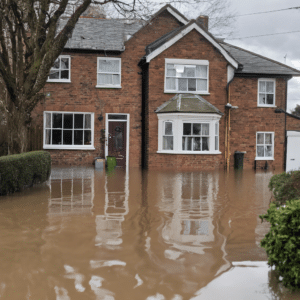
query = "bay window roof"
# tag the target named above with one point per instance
(187, 103)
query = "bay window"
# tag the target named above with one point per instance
(68, 130)
(188, 133)
(186, 75)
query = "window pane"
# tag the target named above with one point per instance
(182, 84)
(268, 151)
(187, 128)
(201, 85)
(197, 146)
(190, 72)
(205, 129)
(216, 143)
(260, 151)
(262, 99)
(170, 84)
(87, 137)
(192, 85)
(167, 143)
(217, 129)
(54, 74)
(196, 129)
(189, 143)
(65, 63)
(260, 138)
(78, 120)
(171, 72)
(78, 137)
(48, 136)
(68, 121)
(270, 98)
(116, 79)
(104, 79)
(168, 128)
(56, 120)
(67, 137)
(262, 86)
(87, 121)
(112, 66)
(268, 138)
(56, 64)
(56, 137)
(270, 87)
(203, 71)
(48, 120)
(117, 117)
(64, 74)
(205, 144)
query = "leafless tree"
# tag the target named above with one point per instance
(30, 44)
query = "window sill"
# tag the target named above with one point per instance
(186, 92)
(108, 87)
(188, 152)
(59, 81)
(68, 148)
(264, 158)
(267, 106)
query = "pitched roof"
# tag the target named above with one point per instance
(256, 64)
(166, 41)
(187, 103)
(101, 34)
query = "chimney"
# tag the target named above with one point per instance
(203, 21)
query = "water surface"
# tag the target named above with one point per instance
(87, 234)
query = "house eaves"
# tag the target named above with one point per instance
(177, 35)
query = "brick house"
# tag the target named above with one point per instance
(163, 94)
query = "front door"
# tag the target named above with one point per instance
(117, 141)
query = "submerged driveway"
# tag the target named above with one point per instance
(87, 234)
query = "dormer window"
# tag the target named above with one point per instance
(186, 76)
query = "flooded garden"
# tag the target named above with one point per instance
(140, 235)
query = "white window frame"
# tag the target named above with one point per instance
(68, 147)
(168, 135)
(178, 119)
(187, 62)
(60, 79)
(273, 146)
(274, 92)
(113, 73)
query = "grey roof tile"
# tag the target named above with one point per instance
(187, 103)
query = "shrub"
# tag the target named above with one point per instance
(285, 186)
(282, 243)
(23, 170)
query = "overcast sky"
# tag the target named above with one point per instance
(275, 47)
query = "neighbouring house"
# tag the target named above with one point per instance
(164, 94)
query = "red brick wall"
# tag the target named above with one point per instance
(81, 95)
(292, 123)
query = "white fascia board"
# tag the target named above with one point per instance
(177, 16)
(184, 32)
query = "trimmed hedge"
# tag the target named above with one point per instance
(23, 170)
(285, 187)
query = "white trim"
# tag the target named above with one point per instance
(186, 62)
(266, 105)
(62, 80)
(178, 119)
(113, 73)
(184, 32)
(127, 134)
(293, 133)
(69, 147)
(176, 15)
(273, 146)
(230, 73)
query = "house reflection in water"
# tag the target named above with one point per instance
(71, 191)
(189, 197)
(109, 225)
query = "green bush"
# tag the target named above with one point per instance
(23, 170)
(285, 186)
(282, 243)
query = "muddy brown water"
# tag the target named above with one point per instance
(154, 235)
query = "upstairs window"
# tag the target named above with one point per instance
(109, 72)
(61, 70)
(187, 76)
(266, 92)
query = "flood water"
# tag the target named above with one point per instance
(154, 235)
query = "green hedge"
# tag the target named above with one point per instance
(285, 187)
(23, 170)
(282, 243)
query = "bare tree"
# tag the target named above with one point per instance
(30, 44)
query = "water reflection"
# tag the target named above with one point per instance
(137, 235)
